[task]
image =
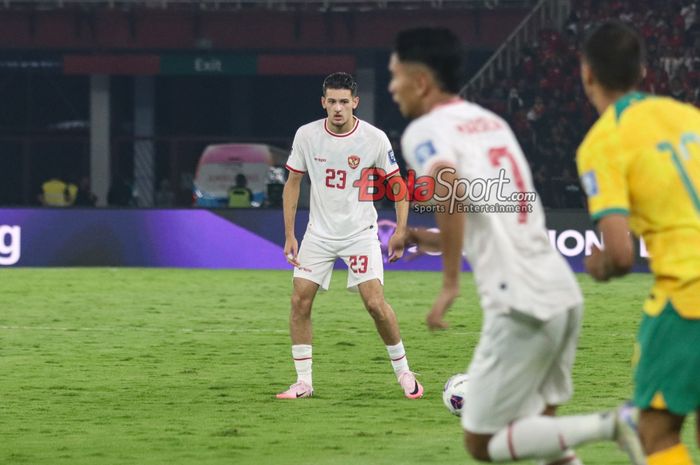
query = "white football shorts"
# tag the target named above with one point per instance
(362, 254)
(520, 365)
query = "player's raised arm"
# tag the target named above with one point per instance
(290, 200)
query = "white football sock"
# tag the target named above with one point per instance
(541, 437)
(302, 362)
(567, 457)
(397, 354)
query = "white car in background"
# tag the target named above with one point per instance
(220, 164)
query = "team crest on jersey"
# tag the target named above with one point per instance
(353, 161)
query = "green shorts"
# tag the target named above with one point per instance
(667, 376)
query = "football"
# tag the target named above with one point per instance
(454, 393)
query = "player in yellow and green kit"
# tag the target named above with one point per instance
(640, 167)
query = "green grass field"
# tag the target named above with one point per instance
(136, 366)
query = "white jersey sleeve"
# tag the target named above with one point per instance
(386, 159)
(297, 158)
(514, 264)
(424, 147)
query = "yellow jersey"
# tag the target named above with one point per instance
(58, 193)
(642, 159)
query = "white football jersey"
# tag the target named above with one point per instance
(515, 266)
(334, 162)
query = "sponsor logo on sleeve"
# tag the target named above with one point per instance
(424, 151)
(589, 183)
(392, 158)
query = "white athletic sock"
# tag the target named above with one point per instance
(541, 437)
(302, 362)
(567, 457)
(397, 354)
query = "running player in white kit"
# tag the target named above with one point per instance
(334, 151)
(521, 369)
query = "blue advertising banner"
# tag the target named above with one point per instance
(227, 238)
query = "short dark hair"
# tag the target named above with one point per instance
(340, 80)
(437, 48)
(615, 53)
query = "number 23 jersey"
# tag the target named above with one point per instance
(334, 163)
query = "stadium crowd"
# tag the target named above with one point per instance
(544, 101)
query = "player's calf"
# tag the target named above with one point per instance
(478, 445)
(376, 307)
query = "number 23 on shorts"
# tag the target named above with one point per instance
(358, 263)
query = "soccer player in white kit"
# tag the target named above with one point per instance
(334, 151)
(521, 369)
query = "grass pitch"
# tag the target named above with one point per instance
(152, 366)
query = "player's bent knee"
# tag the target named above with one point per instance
(659, 429)
(376, 308)
(477, 446)
(301, 305)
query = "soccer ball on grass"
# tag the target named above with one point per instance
(454, 393)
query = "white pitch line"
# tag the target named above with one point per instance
(162, 330)
(136, 329)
